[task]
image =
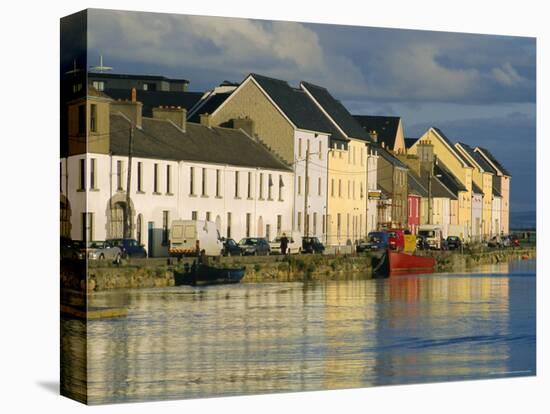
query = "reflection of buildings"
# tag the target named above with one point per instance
(349, 331)
(438, 328)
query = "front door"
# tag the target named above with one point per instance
(150, 227)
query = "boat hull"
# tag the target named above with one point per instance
(395, 262)
(207, 275)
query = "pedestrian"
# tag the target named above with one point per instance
(284, 244)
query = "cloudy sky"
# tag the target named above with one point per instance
(478, 89)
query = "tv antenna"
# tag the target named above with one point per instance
(74, 70)
(101, 68)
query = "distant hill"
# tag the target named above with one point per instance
(523, 219)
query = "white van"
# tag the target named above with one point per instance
(432, 233)
(294, 243)
(189, 237)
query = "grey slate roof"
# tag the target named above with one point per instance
(448, 141)
(491, 158)
(390, 158)
(415, 186)
(497, 187)
(409, 142)
(385, 127)
(448, 179)
(478, 158)
(297, 106)
(208, 105)
(108, 75)
(160, 139)
(476, 189)
(336, 111)
(154, 99)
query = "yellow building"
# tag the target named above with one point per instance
(347, 201)
(458, 166)
(482, 176)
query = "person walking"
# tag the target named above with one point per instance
(284, 244)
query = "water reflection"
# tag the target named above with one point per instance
(253, 338)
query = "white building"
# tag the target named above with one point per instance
(477, 216)
(179, 170)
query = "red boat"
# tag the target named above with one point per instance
(399, 262)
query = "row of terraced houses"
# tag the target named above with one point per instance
(259, 158)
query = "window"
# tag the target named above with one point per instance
(314, 223)
(248, 222)
(218, 183)
(82, 119)
(299, 185)
(119, 175)
(279, 224)
(299, 147)
(320, 150)
(204, 188)
(249, 185)
(261, 186)
(349, 189)
(324, 225)
(208, 216)
(82, 184)
(347, 226)
(93, 118)
(165, 220)
(332, 187)
(194, 215)
(281, 185)
(155, 178)
(236, 184)
(192, 181)
(319, 185)
(339, 187)
(93, 174)
(139, 224)
(168, 179)
(140, 177)
(87, 227)
(228, 234)
(299, 221)
(269, 187)
(338, 224)
(99, 85)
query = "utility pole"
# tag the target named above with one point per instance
(128, 221)
(430, 195)
(306, 190)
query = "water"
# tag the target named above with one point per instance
(185, 342)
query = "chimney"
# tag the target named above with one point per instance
(175, 114)
(206, 120)
(131, 109)
(425, 152)
(246, 124)
(373, 135)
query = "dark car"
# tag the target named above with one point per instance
(129, 247)
(378, 240)
(71, 249)
(454, 243)
(230, 248)
(422, 243)
(254, 246)
(312, 245)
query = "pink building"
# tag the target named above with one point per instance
(413, 212)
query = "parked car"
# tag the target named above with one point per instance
(254, 246)
(312, 245)
(454, 243)
(71, 249)
(422, 243)
(294, 243)
(230, 248)
(189, 237)
(128, 247)
(377, 240)
(362, 245)
(100, 250)
(499, 241)
(433, 235)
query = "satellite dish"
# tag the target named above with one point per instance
(100, 68)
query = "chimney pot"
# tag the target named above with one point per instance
(206, 120)
(134, 95)
(177, 115)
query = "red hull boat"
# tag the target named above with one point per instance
(399, 262)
